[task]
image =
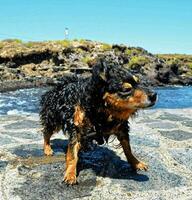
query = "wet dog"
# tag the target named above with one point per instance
(94, 108)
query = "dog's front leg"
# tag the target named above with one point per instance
(75, 130)
(135, 163)
(71, 162)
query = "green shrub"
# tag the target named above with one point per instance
(138, 60)
(1, 45)
(29, 44)
(190, 65)
(78, 50)
(64, 43)
(84, 42)
(86, 59)
(132, 51)
(106, 47)
(17, 41)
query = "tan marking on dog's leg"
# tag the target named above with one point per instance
(71, 164)
(78, 116)
(47, 147)
(135, 163)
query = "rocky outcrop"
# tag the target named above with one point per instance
(162, 138)
(36, 62)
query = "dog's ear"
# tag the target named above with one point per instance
(100, 70)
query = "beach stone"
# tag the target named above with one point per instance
(24, 134)
(178, 135)
(27, 124)
(187, 123)
(27, 150)
(162, 125)
(144, 141)
(183, 156)
(103, 172)
(6, 140)
(3, 165)
(172, 117)
(7, 118)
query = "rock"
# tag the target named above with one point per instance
(11, 64)
(84, 47)
(121, 48)
(163, 76)
(177, 135)
(67, 51)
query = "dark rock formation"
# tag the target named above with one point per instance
(21, 62)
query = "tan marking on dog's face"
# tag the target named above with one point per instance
(133, 102)
(138, 100)
(79, 116)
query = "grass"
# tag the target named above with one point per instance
(86, 59)
(106, 47)
(18, 41)
(64, 43)
(29, 44)
(83, 42)
(189, 65)
(132, 51)
(1, 45)
(138, 60)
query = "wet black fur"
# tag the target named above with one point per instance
(58, 104)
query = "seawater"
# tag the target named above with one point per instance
(27, 100)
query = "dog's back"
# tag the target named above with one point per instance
(61, 84)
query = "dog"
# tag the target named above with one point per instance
(93, 108)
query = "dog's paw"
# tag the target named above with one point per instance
(48, 151)
(70, 179)
(140, 166)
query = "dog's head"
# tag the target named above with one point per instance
(120, 89)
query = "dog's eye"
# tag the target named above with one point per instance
(126, 87)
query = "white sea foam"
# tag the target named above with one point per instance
(13, 112)
(17, 112)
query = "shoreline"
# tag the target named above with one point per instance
(22, 84)
(8, 86)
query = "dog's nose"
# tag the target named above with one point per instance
(153, 96)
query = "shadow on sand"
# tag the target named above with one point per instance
(98, 162)
(103, 161)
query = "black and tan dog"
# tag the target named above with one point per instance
(100, 104)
